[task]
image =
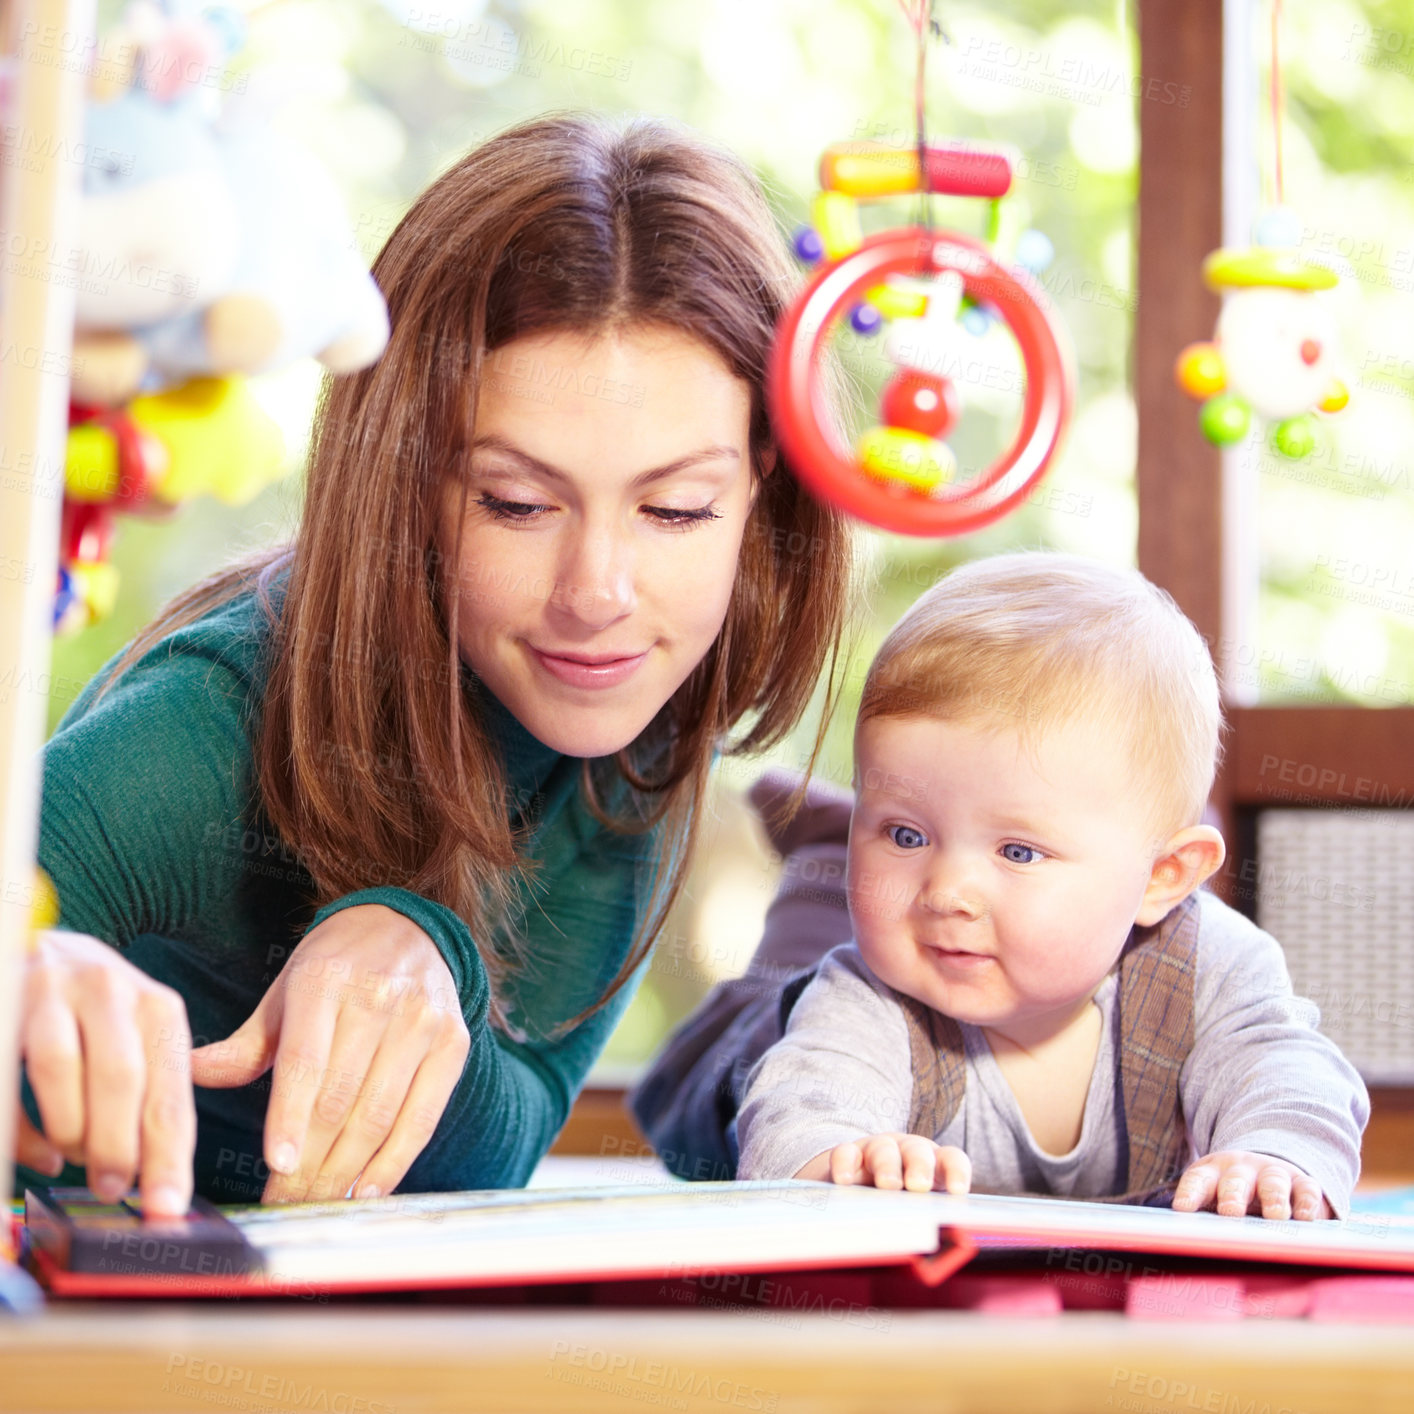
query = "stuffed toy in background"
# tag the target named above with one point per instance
(208, 252)
(210, 248)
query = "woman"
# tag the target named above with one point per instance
(384, 822)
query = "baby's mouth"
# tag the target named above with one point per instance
(966, 957)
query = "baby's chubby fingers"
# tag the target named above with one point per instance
(1197, 1187)
(1236, 1189)
(883, 1161)
(954, 1169)
(1284, 1192)
(1237, 1182)
(847, 1163)
(919, 1163)
(1274, 1192)
(1308, 1202)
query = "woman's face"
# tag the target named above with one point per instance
(609, 485)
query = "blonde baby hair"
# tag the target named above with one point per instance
(1036, 639)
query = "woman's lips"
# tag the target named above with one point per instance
(587, 672)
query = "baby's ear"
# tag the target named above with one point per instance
(1185, 860)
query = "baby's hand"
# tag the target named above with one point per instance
(894, 1161)
(1236, 1183)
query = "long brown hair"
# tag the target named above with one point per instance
(563, 222)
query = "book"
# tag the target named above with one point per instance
(669, 1229)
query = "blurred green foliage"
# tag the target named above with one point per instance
(389, 94)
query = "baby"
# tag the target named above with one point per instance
(1038, 997)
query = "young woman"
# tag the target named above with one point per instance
(369, 836)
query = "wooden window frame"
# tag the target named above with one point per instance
(1338, 755)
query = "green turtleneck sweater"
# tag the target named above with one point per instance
(151, 832)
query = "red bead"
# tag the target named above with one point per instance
(920, 402)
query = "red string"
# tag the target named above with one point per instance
(1276, 96)
(916, 13)
(919, 14)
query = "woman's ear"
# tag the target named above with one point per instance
(1186, 860)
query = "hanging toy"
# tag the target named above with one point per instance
(925, 285)
(1273, 353)
(208, 436)
(1275, 350)
(210, 249)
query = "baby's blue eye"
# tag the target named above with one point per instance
(906, 837)
(1020, 853)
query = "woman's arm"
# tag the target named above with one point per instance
(578, 921)
(493, 1100)
(134, 790)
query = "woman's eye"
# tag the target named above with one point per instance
(906, 837)
(1020, 853)
(510, 510)
(672, 515)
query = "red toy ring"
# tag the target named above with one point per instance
(801, 418)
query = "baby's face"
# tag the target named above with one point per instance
(994, 882)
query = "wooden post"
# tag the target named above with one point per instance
(50, 41)
(1179, 474)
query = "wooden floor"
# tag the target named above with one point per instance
(378, 1360)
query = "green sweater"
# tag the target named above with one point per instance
(151, 833)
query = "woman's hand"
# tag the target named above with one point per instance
(107, 1050)
(364, 1029)
(908, 1161)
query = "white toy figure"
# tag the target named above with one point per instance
(1274, 352)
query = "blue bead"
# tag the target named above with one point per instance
(1034, 251)
(977, 320)
(865, 319)
(63, 595)
(808, 245)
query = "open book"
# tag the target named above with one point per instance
(669, 1229)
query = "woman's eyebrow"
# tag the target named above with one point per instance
(715, 452)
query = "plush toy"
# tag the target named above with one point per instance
(208, 252)
(207, 437)
(209, 249)
(1274, 351)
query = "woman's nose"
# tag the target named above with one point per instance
(595, 585)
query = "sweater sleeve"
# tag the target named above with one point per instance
(142, 794)
(150, 830)
(579, 919)
(842, 1071)
(1261, 1077)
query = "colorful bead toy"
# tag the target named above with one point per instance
(901, 475)
(1273, 352)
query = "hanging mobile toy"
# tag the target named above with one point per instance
(1274, 351)
(899, 476)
